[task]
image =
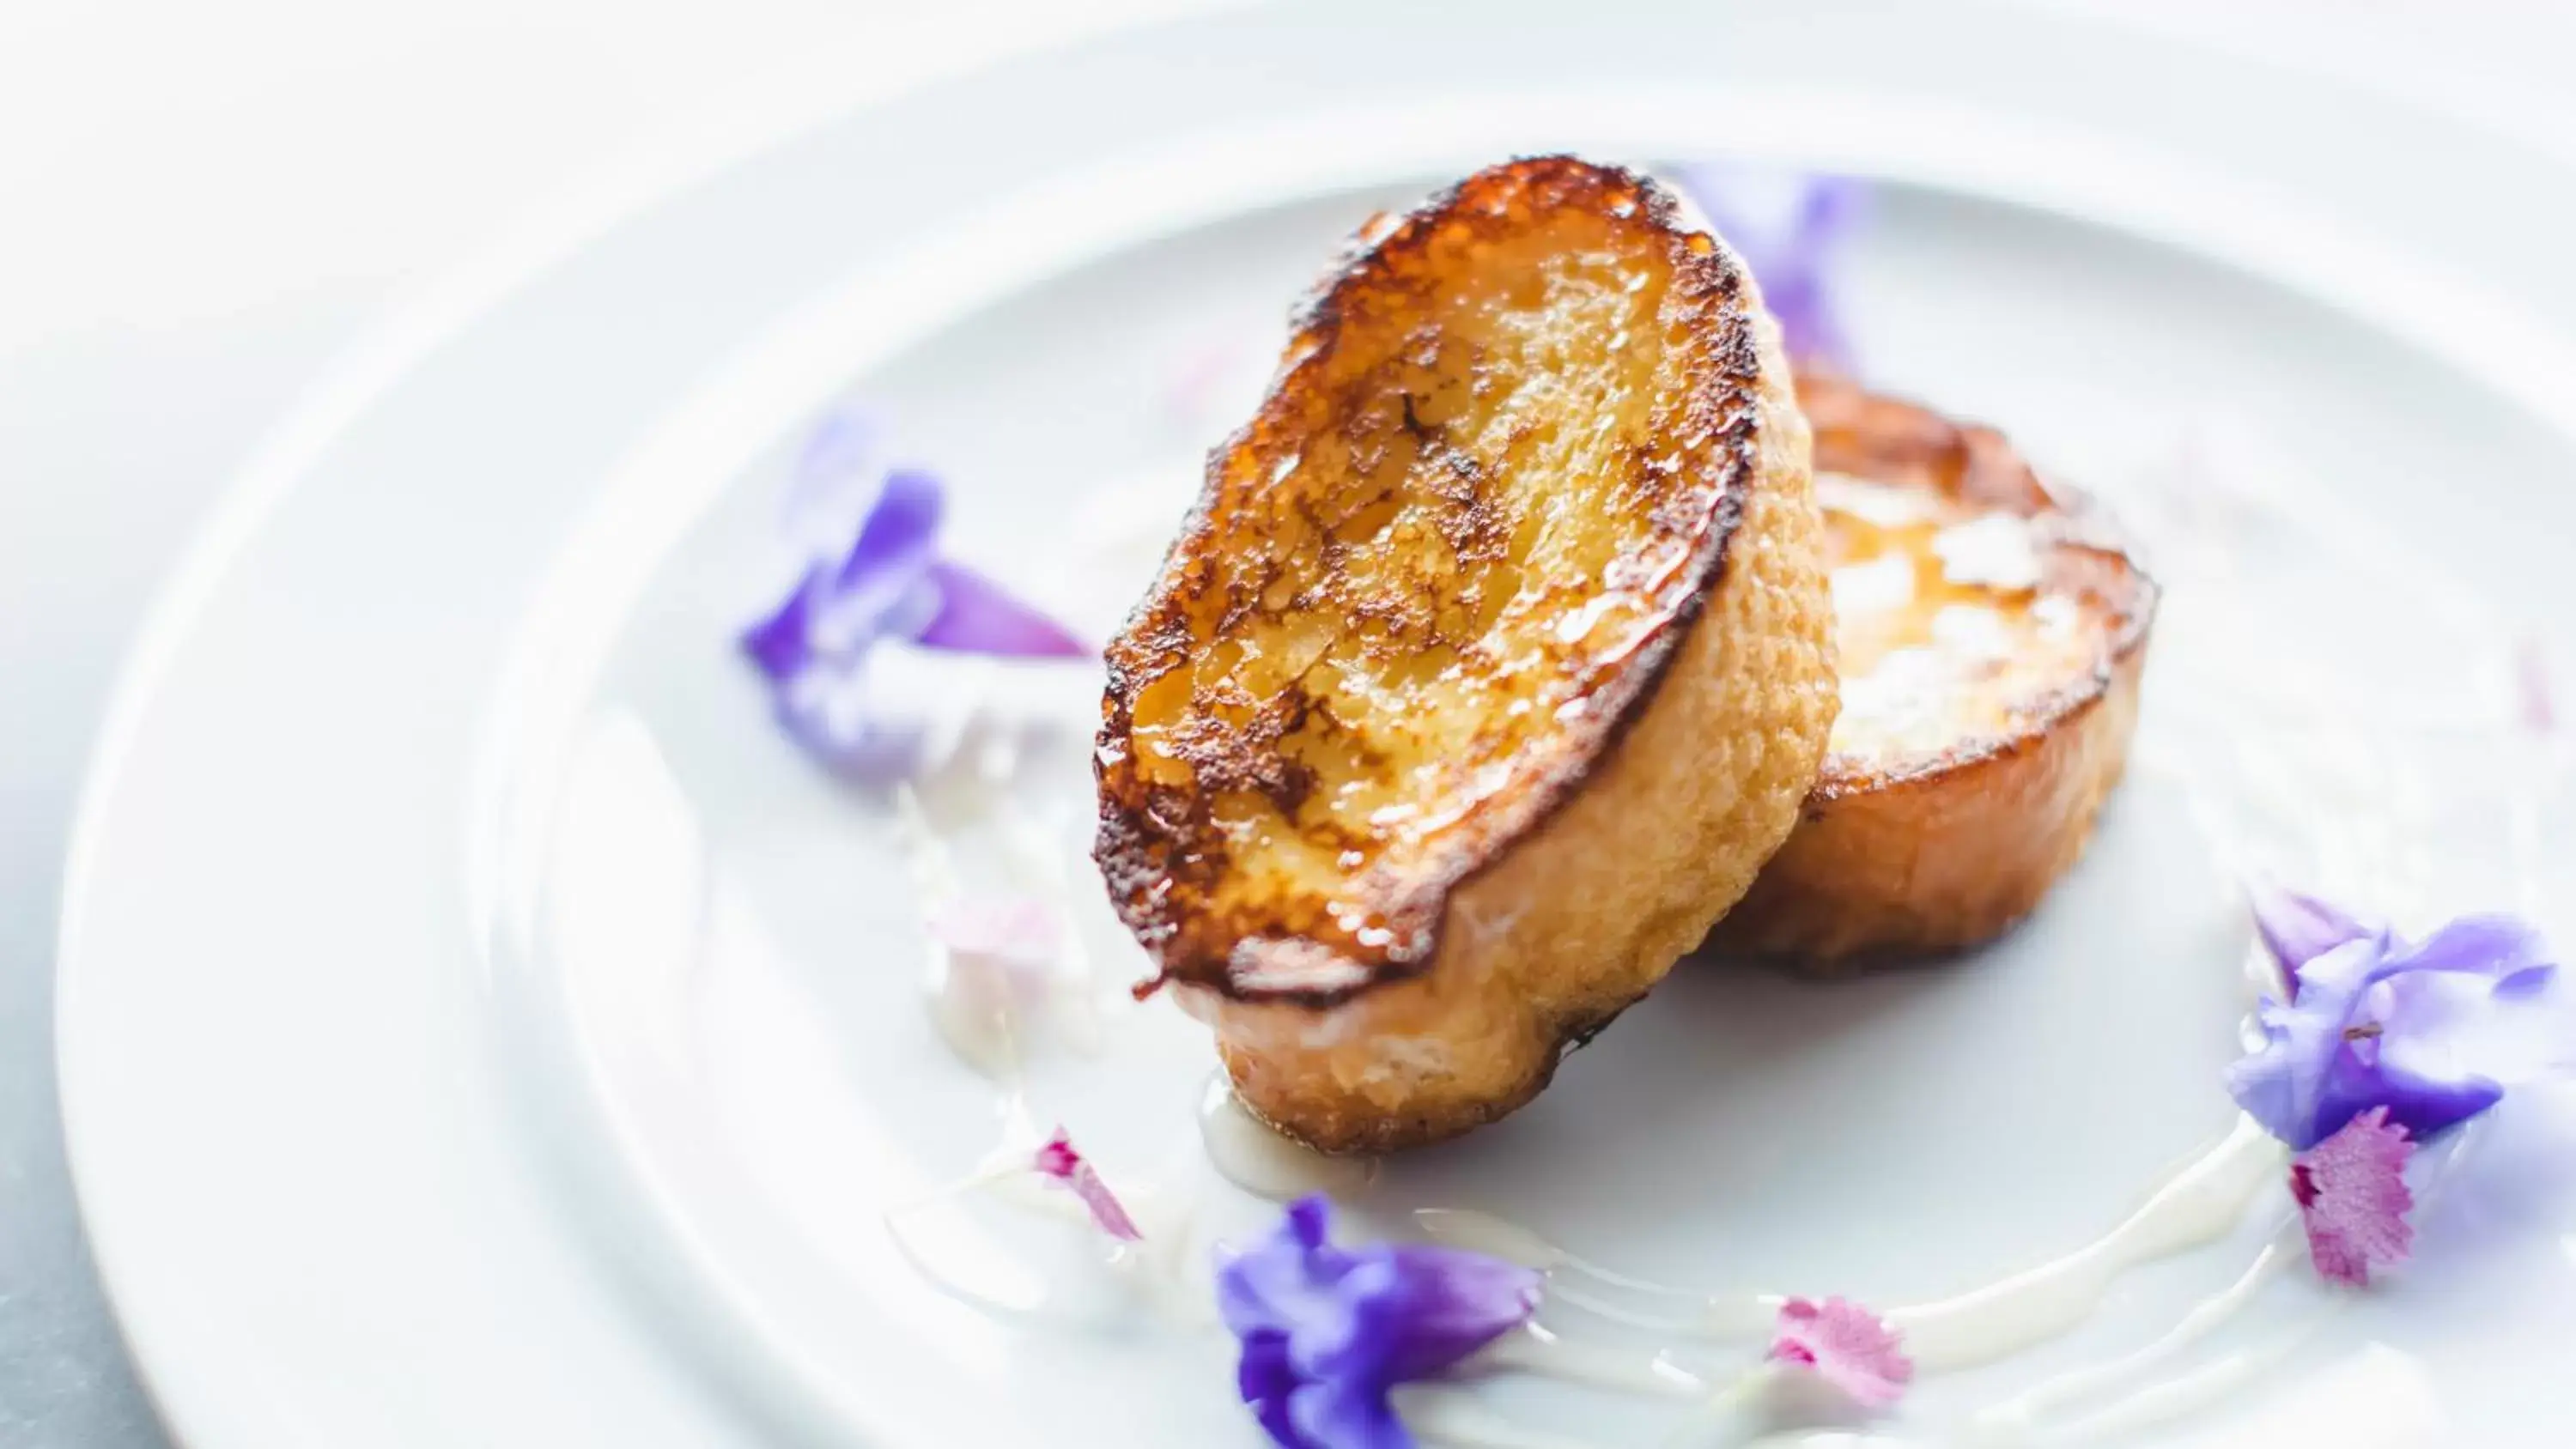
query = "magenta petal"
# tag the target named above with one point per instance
(1057, 1159)
(975, 616)
(1846, 1346)
(2353, 1198)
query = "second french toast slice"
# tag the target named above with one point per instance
(1992, 632)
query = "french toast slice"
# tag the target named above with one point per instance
(1992, 630)
(1492, 663)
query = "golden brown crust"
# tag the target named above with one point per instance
(1349, 380)
(1543, 949)
(1940, 849)
(1560, 782)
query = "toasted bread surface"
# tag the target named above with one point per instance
(1992, 633)
(1492, 663)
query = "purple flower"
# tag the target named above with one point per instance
(2432, 1030)
(1790, 230)
(1327, 1331)
(876, 579)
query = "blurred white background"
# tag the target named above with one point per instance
(205, 200)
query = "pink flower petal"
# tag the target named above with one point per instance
(2535, 695)
(1018, 929)
(1056, 1158)
(2353, 1197)
(1845, 1345)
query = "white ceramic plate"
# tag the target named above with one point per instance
(478, 1027)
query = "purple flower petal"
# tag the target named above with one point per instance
(1453, 1303)
(2297, 928)
(1057, 1159)
(2429, 1034)
(1342, 1414)
(886, 582)
(1327, 1331)
(2353, 1199)
(836, 479)
(2495, 946)
(877, 586)
(777, 641)
(1267, 1380)
(895, 539)
(1790, 231)
(2308, 1078)
(975, 616)
(823, 707)
(1285, 1280)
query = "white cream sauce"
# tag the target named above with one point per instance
(1246, 1152)
(2200, 1204)
(1542, 1350)
(2019, 1415)
(1444, 1416)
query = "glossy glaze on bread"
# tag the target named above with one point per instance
(1491, 665)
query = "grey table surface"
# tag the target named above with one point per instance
(113, 444)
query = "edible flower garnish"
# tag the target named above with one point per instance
(2353, 1198)
(995, 976)
(1012, 938)
(1327, 1331)
(878, 579)
(2535, 693)
(1057, 1159)
(2432, 1030)
(1790, 230)
(1846, 1346)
